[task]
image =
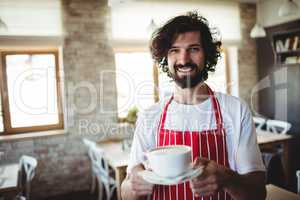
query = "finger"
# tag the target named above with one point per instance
(202, 176)
(138, 178)
(205, 194)
(211, 179)
(208, 170)
(140, 181)
(203, 161)
(138, 190)
(211, 188)
(143, 187)
(142, 190)
(199, 161)
(143, 193)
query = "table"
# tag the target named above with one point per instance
(277, 193)
(266, 139)
(118, 159)
(9, 180)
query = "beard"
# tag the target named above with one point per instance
(189, 81)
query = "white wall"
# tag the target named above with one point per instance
(269, 13)
(130, 20)
(31, 17)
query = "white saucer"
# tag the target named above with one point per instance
(153, 178)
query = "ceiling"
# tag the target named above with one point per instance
(248, 1)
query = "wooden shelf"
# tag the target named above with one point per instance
(291, 52)
(283, 43)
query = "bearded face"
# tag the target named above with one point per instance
(186, 60)
(191, 75)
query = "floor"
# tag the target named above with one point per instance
(75, 196)
(85, 195)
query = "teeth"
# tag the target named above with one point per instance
(185, 69)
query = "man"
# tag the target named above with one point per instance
(218, 127)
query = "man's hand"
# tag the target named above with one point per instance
(217, 177)
(135, 186)
(211, 180)
(139, 186)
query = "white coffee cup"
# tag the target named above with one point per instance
(170, 161)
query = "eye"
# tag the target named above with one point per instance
(194, 49)
(173, 51)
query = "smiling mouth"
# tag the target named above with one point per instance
(185, 69)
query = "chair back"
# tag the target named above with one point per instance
(99, 167)
(298, 181)
(259, 122)
(27, 166)
(277, 126)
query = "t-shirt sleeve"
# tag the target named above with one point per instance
(248, 157)
(143, 140)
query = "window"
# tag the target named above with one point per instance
(30, 89)
(137, 77)
(219, 80)
(135, 81)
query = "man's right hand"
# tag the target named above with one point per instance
(138, 185)
(134, 186)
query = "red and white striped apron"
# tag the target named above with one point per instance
(210, 144)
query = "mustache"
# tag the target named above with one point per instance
(189, 64)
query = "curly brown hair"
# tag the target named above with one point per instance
(163, 37)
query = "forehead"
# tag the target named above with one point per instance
(193, 37)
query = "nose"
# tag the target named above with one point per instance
(183, 57)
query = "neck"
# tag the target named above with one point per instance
(191, 96)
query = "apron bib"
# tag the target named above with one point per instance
(210, 144)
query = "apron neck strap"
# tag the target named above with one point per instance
(215, 105)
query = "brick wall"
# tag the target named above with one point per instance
(247, 53)
(63, 165)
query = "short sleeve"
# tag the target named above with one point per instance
(144, 138)
(248, 155)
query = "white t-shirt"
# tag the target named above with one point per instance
(243, 152)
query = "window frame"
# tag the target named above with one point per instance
(7, 128)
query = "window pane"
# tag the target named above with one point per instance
(217, 80)
(166, 85)
(31, 82)
(135, 84)
(1, 116)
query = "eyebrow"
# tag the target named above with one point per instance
(192, 45)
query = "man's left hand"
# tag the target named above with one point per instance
(211, 180)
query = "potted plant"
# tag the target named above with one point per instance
(132, 115)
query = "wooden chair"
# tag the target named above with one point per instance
(276, 169)
(259, 122)
(277, 126)
(298, 181)
(100, 170)
(27, 166)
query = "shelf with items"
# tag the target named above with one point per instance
(287, 47)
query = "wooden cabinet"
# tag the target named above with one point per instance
(280, 98)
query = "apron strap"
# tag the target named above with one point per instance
(215, 105)
(164, 114)
(216, 108)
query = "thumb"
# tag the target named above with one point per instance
(200, 161)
